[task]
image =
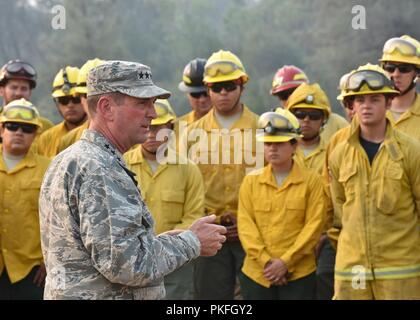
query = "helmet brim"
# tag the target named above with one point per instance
(190, 89)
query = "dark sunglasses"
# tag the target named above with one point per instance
(284, 95)
(403, 68)
(19, 67)
(197, 95)
(26, 128)
(66, 100)
(217, 87)
(313, 115)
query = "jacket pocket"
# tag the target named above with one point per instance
(389, 188)
(173, 205)
(347, 179)
(295, 213)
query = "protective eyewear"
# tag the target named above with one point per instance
(273, 124)
(222, 67)
(229, 86)
(402, 46)
(20, 67)
(26, 128)
(66, 100)
(23, 113)
(313, 115)
(198, 95)
(374, 80)
(403, 68)
(284, 95)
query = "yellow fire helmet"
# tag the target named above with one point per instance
(404, 49)
(65, 82)
(368, 79)
(224, 66)
(164, 112)
(279, 126)
(309, 96)
(83, 72)
(21, 111)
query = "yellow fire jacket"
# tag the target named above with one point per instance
(20, 243)
(222, 181)
(409, 121)
(283, 222)
(174, 194)
(377, 208)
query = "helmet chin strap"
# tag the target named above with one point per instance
(410, 87)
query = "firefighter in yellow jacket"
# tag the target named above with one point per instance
(22, 271)
(68, 105)
(375, 188)
(173, 192)
(223, 166)
(192, 84)
(80, 91)
(401, 60)
(311, 107)
(281, 216)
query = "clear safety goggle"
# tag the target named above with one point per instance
(222, 67)
(374, 79)
(20, 112)
(404, 47)
(273, 123)
(19, 66)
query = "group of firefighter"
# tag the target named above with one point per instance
(333, 213)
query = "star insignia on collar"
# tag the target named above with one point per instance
(107, 146)
(141, 75)
(148, 75)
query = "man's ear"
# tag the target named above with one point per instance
(388, 102)
(104, 107)
(1, 91)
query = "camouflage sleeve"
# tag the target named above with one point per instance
(122, 249)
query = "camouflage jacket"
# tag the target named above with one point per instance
(97, 233)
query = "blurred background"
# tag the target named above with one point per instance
(315, 35)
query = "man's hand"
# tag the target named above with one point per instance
(39, 278)
(281, 282)
(275, 270)
(211, 235)
(230, 221)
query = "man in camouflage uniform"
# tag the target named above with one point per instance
(96, 231)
